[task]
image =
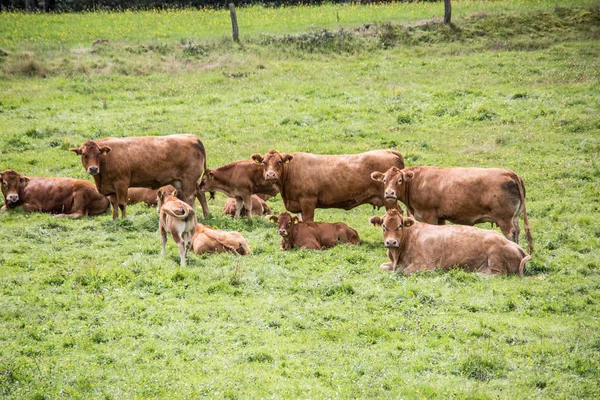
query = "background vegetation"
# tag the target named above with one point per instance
(89, 308)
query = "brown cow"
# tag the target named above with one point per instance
(177, 218)
(66, 197)
(145, 195)
(413, 246)
(239, 179)
(312, 235)
(465, 196)
(259, 207)
(308, 181)
(148, 161)
(209, 240)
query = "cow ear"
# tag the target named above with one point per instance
(160, 194)
(209, 174)
(23, 181)
(408, 175)
(295, 220)
(287, 158)
(257, 158)
(105, 150)
(376, 221)
(76, 150)
(377, 176)
(408, 222)
(274, 218)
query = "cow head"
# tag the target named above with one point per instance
(208, 183)
(393, 181)
(393, 225)
(90, 154)
(12, 182)
(285, 222)
(272, 163)
(163, 192)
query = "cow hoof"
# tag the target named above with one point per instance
(386, 267)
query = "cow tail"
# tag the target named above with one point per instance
(522, 264)
(400, 161)
(524, 210)
(176, 213)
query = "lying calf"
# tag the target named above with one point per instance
(413, 246)
(177, 218)
(259, 207)
(312, 235)
(209, 240)
(66, 197)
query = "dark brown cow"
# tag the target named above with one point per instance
(147, 161)
(66, 197)
(465, 196)
(308, 181)
(239, 179)
(413, 246)
(259, 207)
(312, 235)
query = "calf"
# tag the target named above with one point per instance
(413, 246)
(65, 197)
(464, 196)
(177, 218)
(144, 195)
(309, 181)
(312, 235)
(240, 180)
(148, 161)
(209, 240)
(259, 207)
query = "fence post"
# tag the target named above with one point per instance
(234, 24)
(447, 11)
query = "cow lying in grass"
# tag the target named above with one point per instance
(177, 218)
(65, 197)
(312, 235)
(209, 240)
(413, 246)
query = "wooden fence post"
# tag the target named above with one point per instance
(234, 24)
(447, 12)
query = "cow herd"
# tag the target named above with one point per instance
(170, 171)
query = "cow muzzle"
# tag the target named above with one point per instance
(13, 197)
(271, 176)
(283, 232)
(390, 195)
(391, 243)
(93, 170)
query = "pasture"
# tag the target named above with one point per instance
(89, 308)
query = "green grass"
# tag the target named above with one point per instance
(89, 308)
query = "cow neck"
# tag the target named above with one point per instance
(292, 234)
(284, 176)
(407, 190)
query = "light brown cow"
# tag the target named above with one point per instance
(308, 181)
(465, 196)
(65, 197)
(179, 219)
(413, 246)
(240, 180)
(209, 240)
(259, 207)
(147, 161)
(145, 195)
(312, 235)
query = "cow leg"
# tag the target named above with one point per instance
(163, 241)
(387, 266)
(517, 229)
(78, 207)
(201, 196)
(182, 248)
(121, 192)
(248, 206)
(311, 244)
(412, 268)
(239, 204)
(307, 208)
(508, 229)
(113, 202)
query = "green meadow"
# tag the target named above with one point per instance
(90, 309)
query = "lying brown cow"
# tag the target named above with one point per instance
(148, 161)
(63, 196)
(413, 246)
(308, 181)
(312, 235)
(177, 218)
(464, 196)
(240, 180)
(145, 195)
(259, 207)
(209, 240)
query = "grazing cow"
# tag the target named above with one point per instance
(177, 218)
(259, 207)
(65, 197)
(240, 180)
(413, 246)
(308, 181)
(465, 196)
(149, 161)
(209, 240)
(312, 235)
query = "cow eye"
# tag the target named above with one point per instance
(384, 180)
(5, 183)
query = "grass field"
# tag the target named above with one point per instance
(89, 308)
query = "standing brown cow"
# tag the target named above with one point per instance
(465, 196)
(240, 180)
(413, 246)
(308, 181)
(66, 197)
(147, 161)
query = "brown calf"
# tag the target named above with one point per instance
(179, 219)
(209, 240)
(413, 246)
(312, 235)
(465, 196)
(65, 197)
(148, 196)
(259, 207)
